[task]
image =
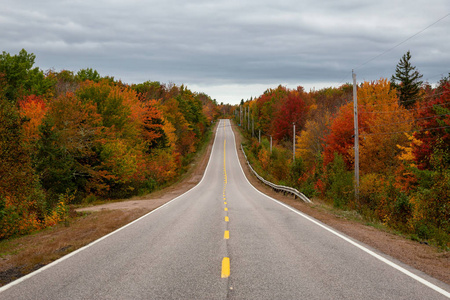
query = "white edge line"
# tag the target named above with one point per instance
(377, 256)
(23, 278)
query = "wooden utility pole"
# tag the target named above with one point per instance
(270, 144)
(355, 117)
(253, 127)
(240, 115)
(293, 147)
(248, 119)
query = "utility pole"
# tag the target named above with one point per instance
(355, 111)
(240, 115)
(248, 119)
(293, 146)
(245, 115)
(270, 144)
(253, 127)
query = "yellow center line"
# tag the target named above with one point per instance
(226, 235)
(225, 267)
(224, 160)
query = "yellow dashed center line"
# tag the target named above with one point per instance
(225, 267)
(226, 234)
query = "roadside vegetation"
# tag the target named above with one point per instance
(404, 138)
(74, 138)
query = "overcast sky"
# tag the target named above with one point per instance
(230, 49)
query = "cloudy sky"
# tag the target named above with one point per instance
(231, 49)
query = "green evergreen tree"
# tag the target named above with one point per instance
(408, 79)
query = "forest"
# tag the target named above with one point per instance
(404, 149)
(69, 138)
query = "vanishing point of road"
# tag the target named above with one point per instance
(223, 239)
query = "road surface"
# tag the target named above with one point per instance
(225, 240)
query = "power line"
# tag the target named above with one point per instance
(402, 42)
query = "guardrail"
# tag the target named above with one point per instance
(276, 187)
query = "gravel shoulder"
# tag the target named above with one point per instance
(23, 255)
(420, 256)
(425, 258)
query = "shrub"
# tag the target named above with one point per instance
(340, 182)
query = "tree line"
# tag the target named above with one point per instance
(404, 137)
(68, 138)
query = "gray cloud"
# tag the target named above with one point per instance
(215, 45)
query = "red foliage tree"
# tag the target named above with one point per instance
(293, 110)
(433, 121)
(341, 137)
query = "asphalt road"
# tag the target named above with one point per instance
(225, 240)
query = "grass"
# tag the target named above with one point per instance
(22, 255)
(353, 215)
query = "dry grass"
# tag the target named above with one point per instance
(25, 254)
(22, 255)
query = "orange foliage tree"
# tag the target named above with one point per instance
(32, 108)
(385, 128)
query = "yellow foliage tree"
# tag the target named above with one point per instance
(386, 124)
(309, 142)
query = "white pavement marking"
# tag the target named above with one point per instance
(368, 251)
(21, 279)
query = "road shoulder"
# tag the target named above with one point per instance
(422, 257)
(25, 254)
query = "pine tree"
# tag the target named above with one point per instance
(409, 84)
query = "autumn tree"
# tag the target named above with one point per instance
(152, 126)
(20, 77)
(185, 137)
(66, 153)
(331, 99)
(434, 136)
(66, 136)
(16, 173)
(309, 141)
(406, 81)
(293, 110)
(66, 81)
(267, 106)
(385, 125)
(340, 140)
(151, 90)
(32, 109)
